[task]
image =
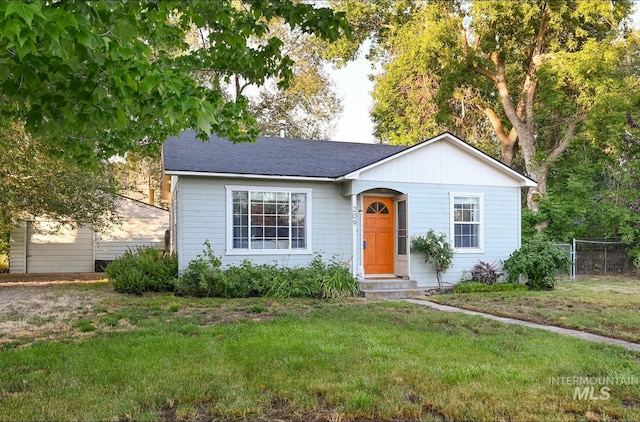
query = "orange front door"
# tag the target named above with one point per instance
(378, 235)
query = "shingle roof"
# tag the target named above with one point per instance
(271, 156)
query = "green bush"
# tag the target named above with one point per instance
(537, 260)
(478, 287)
(4, 263)
(204, 277)
(143, 270)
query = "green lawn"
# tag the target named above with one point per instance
(162, 357)
(607, 307)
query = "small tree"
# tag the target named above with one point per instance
(538, 260)
(436, 251)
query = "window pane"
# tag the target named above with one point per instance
(240, 219)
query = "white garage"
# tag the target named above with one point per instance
(41, 246)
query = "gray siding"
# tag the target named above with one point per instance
(429, 208)
(201, 215)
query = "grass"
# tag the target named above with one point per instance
(606, 307)
(163, 357)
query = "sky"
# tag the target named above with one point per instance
(355, 88)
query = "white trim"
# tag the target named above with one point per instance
(248, 176)
(480, 196)
(354, 234)
(457, 142)
(248, 188)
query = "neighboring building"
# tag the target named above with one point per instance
(42, 246)
(284, 200)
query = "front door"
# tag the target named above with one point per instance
(378, 235)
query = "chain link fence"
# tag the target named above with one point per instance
(598, 258)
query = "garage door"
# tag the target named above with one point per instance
(51, 249)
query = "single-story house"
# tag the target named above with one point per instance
(284, 200)
(44, 246)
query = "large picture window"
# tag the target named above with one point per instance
(266, 219)
(466, 222)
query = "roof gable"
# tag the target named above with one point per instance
(443, 159)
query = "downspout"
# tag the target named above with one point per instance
(354, 235)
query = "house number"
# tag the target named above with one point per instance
(354, 215)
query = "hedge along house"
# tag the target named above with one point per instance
(42, 246)
(284, 200)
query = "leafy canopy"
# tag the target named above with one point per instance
(105, 77)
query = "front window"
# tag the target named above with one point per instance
(466, 221)
(268, 219)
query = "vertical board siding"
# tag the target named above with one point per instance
(201, 214)
(16, 250)
(429, 208)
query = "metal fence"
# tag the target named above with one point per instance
(598, 258)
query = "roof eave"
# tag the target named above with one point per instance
(248, 176)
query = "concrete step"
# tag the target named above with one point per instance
(383, 284)
(389, 288)
(391, 294)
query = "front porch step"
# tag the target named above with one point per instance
(389, 289)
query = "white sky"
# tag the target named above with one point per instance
(354, 86)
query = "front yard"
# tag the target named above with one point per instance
(607, 307)
(84, 352)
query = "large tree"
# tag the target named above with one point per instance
(36, 184)
(530, 75)
(100, 78)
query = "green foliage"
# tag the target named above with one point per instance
(478, 287)
(566, 72)
(143, 270)
(537, 260)
(4, 263)
(36, 184)
(204, 277)
(485, 273)
(103, 78)
(436, 250)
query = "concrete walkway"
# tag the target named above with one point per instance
(565, 331)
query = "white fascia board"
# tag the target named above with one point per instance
(248, 176)
(524, 181)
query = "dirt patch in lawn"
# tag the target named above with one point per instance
(51, 309)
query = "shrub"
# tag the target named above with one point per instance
(143, 270)
(204, 277)
(538, 260)
(4, 263)
(485, 273)
(436, 251)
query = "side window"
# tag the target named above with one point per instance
(466, 221)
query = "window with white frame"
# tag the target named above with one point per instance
(262, 219)
(466, 221)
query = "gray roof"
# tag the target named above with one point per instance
(271, 156)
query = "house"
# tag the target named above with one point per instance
(284, 200)
(44, 246)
